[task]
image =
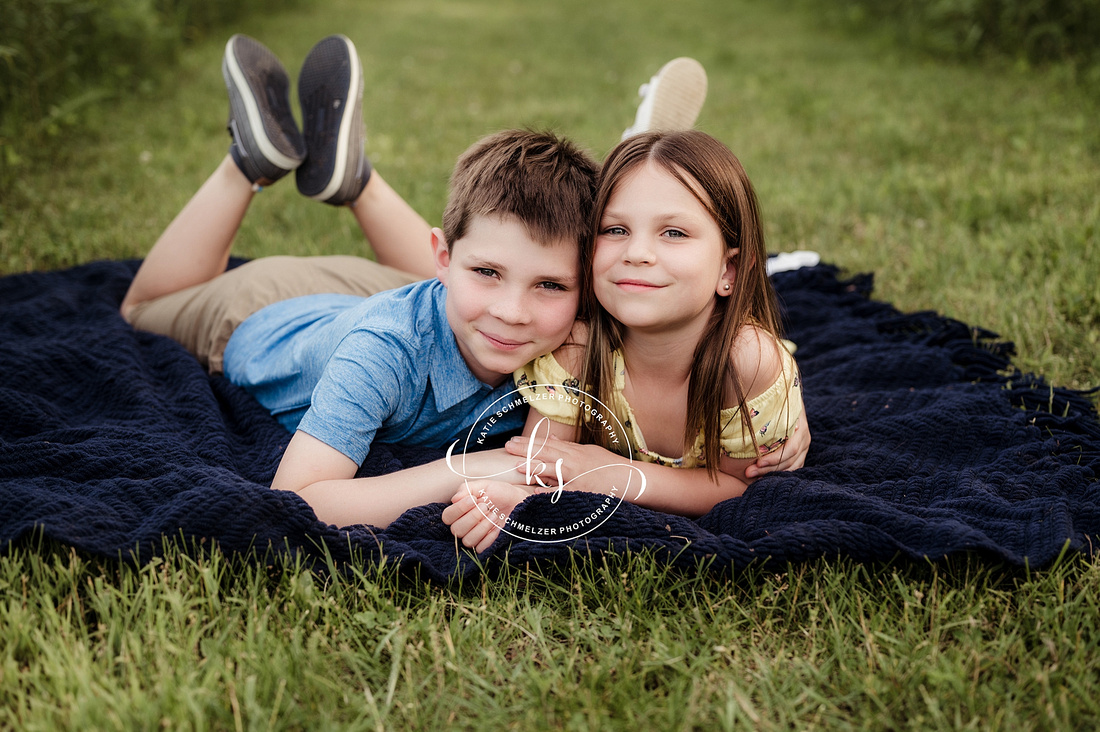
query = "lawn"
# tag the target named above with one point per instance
(972, 190)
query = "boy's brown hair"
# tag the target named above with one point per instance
(544, 181)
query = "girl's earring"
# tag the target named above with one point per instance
(727, 287)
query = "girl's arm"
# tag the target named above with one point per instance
(593, 469)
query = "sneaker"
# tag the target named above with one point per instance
(789, 261)
(266, 142)
(672, 99)
(330, 89)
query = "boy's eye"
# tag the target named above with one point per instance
(557, 286)
(485, 271)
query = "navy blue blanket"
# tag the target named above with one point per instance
(925, 444)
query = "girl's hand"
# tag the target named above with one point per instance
(790, 456)
(550, 463)
(478, 511)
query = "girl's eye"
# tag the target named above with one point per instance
(675, 234)
(614, 231)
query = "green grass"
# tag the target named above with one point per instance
(611, 643)
(973, 191)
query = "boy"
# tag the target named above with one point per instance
(414, 365)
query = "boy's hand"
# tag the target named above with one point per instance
(478, 511)
(790, 456)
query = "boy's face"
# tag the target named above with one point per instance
(509, 298)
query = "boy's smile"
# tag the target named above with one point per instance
(509, 298)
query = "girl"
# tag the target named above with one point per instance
(683, 346)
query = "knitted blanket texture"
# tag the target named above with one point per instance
(926, 443)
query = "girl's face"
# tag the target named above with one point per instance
(660, 258)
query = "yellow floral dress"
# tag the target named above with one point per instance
(550, 389)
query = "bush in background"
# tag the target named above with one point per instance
(60, 57)
(1035, 31)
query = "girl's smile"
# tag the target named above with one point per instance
(632, 285)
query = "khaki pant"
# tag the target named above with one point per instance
(203, 317)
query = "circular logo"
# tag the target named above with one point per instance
(582, 497)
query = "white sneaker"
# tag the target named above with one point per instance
(672, 99)
(787, 261)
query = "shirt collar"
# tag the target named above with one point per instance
(451, 378)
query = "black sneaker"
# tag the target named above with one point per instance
(330, 89)
(266, 142)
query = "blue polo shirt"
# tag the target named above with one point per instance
(351, 370)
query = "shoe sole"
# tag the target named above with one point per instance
(678, 92)
(331, 79)
(246, 64)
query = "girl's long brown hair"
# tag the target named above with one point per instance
(716, 178)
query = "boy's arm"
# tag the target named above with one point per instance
(358, 391)
(477, 511)
(325, 478)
